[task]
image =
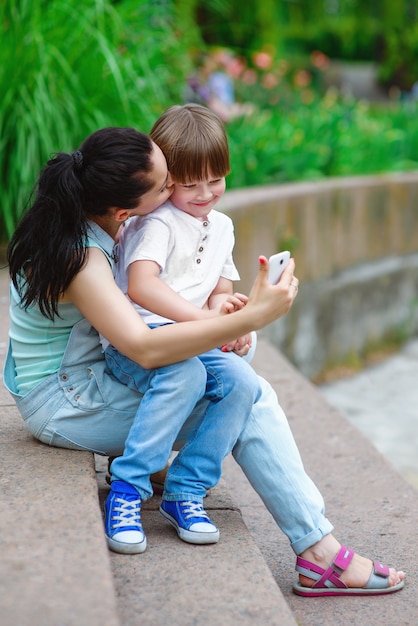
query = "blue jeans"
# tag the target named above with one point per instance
(270, 459)
(84, 407)
(169, 396)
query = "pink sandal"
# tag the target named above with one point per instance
(328, 581)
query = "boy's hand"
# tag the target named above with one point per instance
(240, 346)
(232, 303)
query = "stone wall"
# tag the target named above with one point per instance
(355, 242)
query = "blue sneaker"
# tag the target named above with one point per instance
(123, 526)
(190, 520)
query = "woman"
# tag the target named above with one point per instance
(63, 294)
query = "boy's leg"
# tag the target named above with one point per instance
(232, 389)
(170, 394)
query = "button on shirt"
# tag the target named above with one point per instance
(191, 253)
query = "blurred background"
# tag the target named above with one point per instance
(308, 88)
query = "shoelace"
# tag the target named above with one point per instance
(193, 509)
(129, 513)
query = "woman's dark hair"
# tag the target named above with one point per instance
(110, 169)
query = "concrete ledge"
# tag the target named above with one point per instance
(355, 242)
(329, 225)
(55, 565)
(54, 561)
(338, 320)
(55, 568)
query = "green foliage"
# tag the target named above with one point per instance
(400, 63)
(346, 30)
(338, 37)
(68, 70)
(258, 23)
(288, 129)
(327, 137)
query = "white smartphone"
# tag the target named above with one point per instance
(277, 264)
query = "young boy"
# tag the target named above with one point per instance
(185, 247)
(192, 284)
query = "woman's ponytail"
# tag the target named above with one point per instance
(48, 247)
(110, 169)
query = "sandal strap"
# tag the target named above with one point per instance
(331, 576)
(379, 577)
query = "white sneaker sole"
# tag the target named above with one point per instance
(126, 548)
(189, 535)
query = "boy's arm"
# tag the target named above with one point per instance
(221, 292)
(224, 300)
(149, 291)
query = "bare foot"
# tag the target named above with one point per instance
(357, 573)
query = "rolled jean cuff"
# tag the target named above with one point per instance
(312, 538)
(181, 497)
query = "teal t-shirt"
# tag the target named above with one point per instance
(38, 343)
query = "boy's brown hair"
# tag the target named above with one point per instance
(194, 142)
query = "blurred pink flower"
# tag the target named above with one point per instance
(222, 56)
(319, 59)
(262, 60)
(235, 67)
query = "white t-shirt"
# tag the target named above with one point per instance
(191, 253)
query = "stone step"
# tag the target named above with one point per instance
(174, 582)
(55, 567)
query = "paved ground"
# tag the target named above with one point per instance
(382, 402)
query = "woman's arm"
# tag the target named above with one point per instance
(95, 293)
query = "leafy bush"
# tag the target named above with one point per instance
(79, 69)
(399, 63)
(328, 137)
(339, 37)
(294, 131)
